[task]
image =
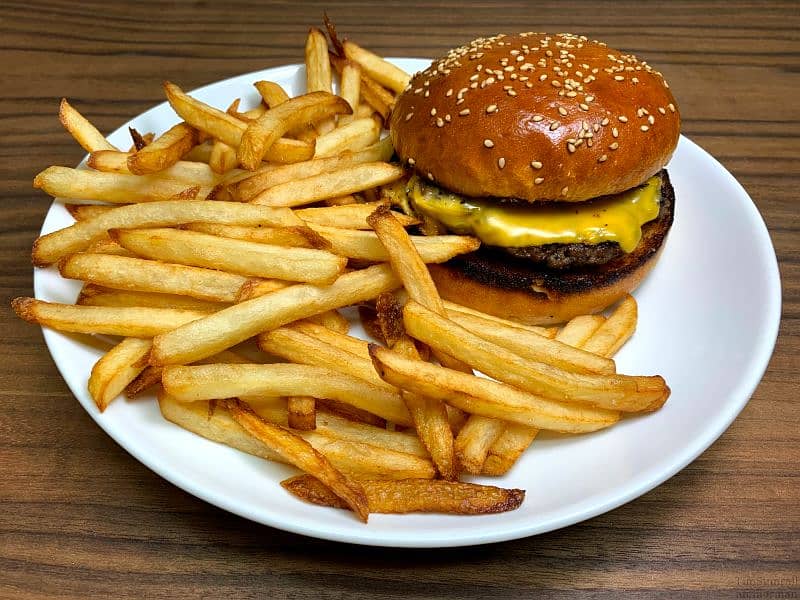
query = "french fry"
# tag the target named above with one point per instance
(302, 411)
(260, 287)
(164, 151)
(532, 346)
(365, 245)
(474, 440)
(350, 89)
(81, 129)
(610, 391)
(273, 95)
(414, 495)
(507, 448)
(333, 337)
(343, 428)
(579, 329)
(616, 330)
(245, 189)
(262, 134)
(139, 140)
(341, 200)
(222, 158)
(359, 459)
(328, 185)
(517, 438)
(116, 369)
(302, 455)
(208, 382)
(450, 307)
(331, 320)
(125, 321)
(347, 216)
(97, 295)
(51, 247)
(108, 246)
(64, 182)
(428, 413)
(297, 237)
(200, 153)
(189, 172)
(486, 397)
(318, 67)
(229, 129)
(246, 319)
(380, 99)
(382, 71)
(142, 275)
(84, 212)
(353, 136)
(233, 256)
(296, 346)
(410, 268)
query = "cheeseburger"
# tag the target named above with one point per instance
(551, 150)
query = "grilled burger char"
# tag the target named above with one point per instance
(551, 150)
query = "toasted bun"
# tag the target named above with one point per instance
(536, 117)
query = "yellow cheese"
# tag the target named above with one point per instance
(617, 218)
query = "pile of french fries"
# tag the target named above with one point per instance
(221, 251)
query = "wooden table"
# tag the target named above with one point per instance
(81, 518)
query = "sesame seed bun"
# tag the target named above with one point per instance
(536, 117)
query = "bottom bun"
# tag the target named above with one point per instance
(530, 307)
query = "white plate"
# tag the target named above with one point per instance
(708, 321)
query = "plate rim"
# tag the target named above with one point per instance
(757, 366)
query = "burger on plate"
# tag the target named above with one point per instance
(550, 149)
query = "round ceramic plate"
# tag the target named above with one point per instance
(708, 319)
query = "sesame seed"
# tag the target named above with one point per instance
(571, 148)
(623, 119)
(554, 125)
(661, 110)
(439, 122)
(589, 98)
(615, 132)
(488, 143)
(644, 128)
(412, 162)
(511, 93)
(543, 76)
(536, 164)
(427, 93)
(562, 111)
(614, 146)
(448, 118)
(491, 108)
(584, 106)
(603, 158)
(430, 176)
(464, 112)
(604, 122)
(671, 107)
(473, 85)
(433, 112)
(408, 116)
(538, 180)
(564, 190)
(501, 162)
(619, 78)
(651, 119)
(555, 83)
(537, 118)
(474, 77)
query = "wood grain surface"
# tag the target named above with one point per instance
(81, 518)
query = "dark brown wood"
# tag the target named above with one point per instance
(81, 518)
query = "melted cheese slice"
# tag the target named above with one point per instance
(617, 218)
